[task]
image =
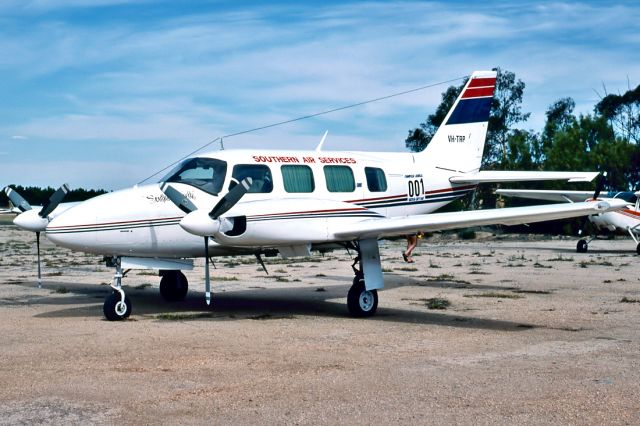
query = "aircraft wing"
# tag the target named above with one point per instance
(570, 196)
(386, 227)
(517, 176)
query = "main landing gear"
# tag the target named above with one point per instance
(117, 306)
(360, 301)
(173, 286)
(582, 246)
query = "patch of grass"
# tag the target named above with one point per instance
(406, 269)
(184, 316)
(540, 265)
(153, 273)
(437, 303)
(223, 278)
(446, 278)
(532, 291)
(281, 279)
(54, 274)
(626, 299)
(387, 270)
(433, 265)
(560, 258)
(495, 294)
(61, 290)
(320, 275)
(514, 265)
(281, 271)
(320, 289)
(476, 271)
(269, 316)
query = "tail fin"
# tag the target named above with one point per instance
(459, 141)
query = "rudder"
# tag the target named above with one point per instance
(459, 142)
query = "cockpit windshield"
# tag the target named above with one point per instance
(629, 197)
(206, 174)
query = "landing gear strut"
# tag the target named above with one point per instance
(360, 301)
(173, 286)
(117, 305)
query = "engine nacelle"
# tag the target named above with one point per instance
(288, 221)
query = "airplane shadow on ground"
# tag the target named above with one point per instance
(259, 304)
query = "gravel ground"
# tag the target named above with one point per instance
(534, 334)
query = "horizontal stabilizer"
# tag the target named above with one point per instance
(387, 227)
(517, 176)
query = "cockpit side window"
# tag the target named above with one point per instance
(206, 174)
(261, 175)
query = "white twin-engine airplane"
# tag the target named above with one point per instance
(626, 220)
(258, 201)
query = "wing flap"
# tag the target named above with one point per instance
(386, 227)
(489, 176)
(551, 195)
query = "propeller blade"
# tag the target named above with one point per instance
(231, 198)
(600, 184)
(178, 198)
(17, 200)
(54, 200)
(207, 282)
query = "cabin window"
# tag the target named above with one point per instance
(297, 178)
(261, 175)
(206, 174)
(339, 179)
(376, 180)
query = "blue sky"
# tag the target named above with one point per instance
(103, 93)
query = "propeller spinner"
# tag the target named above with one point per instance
(35, 220)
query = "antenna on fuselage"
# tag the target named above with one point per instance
(324, 137)
(221, 144)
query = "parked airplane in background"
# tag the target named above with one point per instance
(258, 201)
(626, 220)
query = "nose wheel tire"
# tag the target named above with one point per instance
(582, 246)
(114, 309)
(360, 301)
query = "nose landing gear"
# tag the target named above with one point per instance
(117, 305)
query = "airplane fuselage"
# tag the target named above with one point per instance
(289, 188)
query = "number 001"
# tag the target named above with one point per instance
(416, 187)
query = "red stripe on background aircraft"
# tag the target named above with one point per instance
(258, 201)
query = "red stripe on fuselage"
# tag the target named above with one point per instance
(631, 213)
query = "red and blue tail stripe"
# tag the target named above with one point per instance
(475, 103)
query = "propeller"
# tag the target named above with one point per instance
(33, 220)
(17, 200)
(205, 224)
(602, 179)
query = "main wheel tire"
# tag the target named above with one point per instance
(360, 301)
(174, 286)
(114, 309)
(638, 248)
(582, 246)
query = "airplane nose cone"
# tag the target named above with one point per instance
(31, 221)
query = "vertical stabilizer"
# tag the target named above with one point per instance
(459, 142)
